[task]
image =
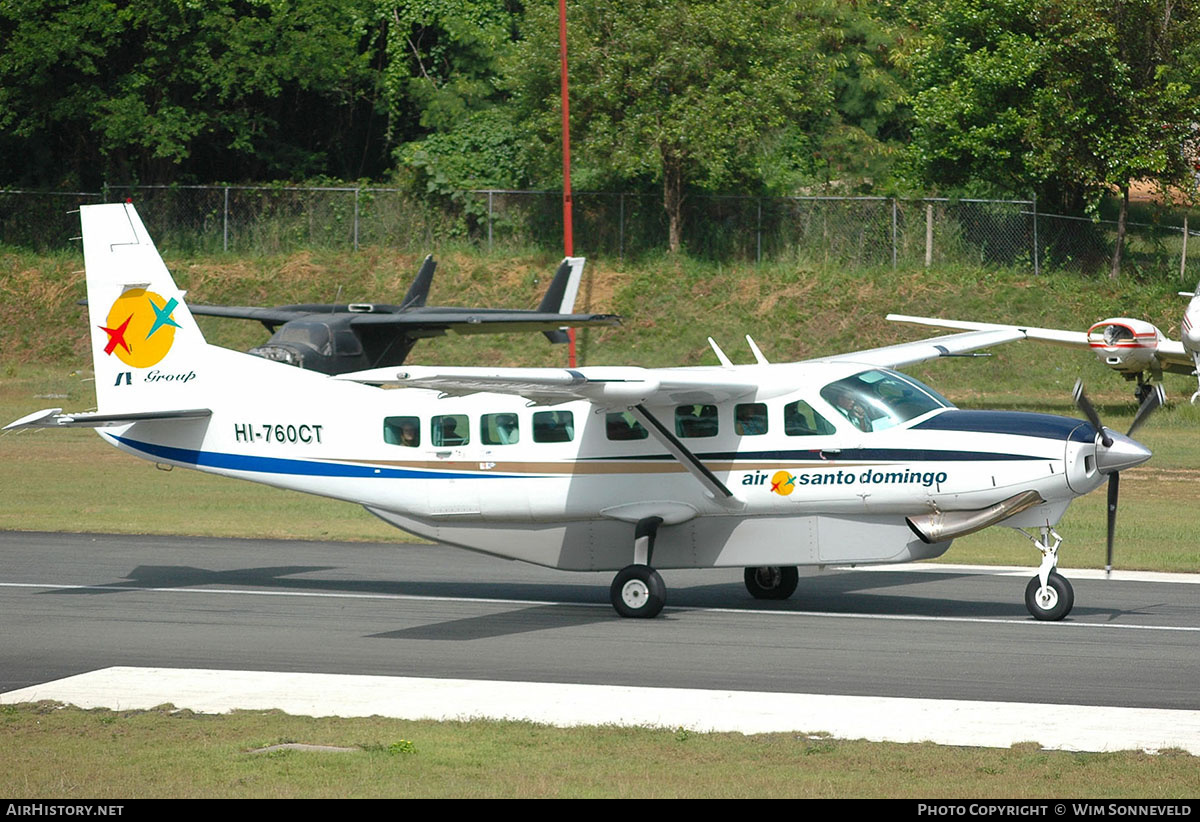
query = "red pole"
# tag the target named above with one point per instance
(568, 238)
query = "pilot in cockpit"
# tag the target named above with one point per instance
(849, 407)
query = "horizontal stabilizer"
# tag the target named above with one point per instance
(53, 418)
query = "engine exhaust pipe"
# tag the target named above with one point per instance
(941, 526)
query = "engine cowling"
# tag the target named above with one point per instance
(1124, 344)
(1189, 330)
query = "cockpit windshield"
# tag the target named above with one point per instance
(314, 335)
(875, 400)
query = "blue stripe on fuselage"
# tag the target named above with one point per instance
(278, 465)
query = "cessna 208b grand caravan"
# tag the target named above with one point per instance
(836, 461)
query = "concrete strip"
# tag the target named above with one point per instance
(946, 722)
(1030, 570)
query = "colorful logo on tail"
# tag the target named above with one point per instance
(140, 328)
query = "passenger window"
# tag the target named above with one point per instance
(553, 426)
(800, 420)
(450, 429)
(498, 429)
(402, 431)
(696, 421)
(621, 425)
(750, 419)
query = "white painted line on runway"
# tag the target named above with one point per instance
(1028, 571)
(528, 603)
(881, 719)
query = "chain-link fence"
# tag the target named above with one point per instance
(855, 232)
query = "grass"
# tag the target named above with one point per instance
(69, 480)
(101, 754)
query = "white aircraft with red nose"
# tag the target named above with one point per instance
(1135, 349)
(836, 461)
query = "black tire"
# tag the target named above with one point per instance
(772, 581)
(1058, 603)
(638, 592)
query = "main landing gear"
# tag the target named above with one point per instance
(1048, 596)
(638, 591)
(772, 581)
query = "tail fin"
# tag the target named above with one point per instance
(560, 296)
(418, 292)
(145, 344)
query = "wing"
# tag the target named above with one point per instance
(266, 316)
(605, 386)
(1170, 353)
(436, 321)
(1078, 339)
(1175, 357)
(902, 354)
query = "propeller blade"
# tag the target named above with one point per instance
(1114, 490)
(1089, 411)
(1151, 403)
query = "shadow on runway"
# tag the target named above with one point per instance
(899, 593)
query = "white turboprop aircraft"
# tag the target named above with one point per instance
(831, 462)
(1133, 348)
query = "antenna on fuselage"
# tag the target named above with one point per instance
(758, 355)
(725, 361)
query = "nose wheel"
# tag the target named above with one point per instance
(1052, 601)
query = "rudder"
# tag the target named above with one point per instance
(145, 344)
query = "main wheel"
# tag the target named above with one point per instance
(638, 592)
(772, 581)
(1052, 604)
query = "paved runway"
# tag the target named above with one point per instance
(74, 604)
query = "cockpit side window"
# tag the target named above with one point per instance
(875, 400)
(800, 420)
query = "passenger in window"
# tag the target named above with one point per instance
(505, 426)
(402, 431)
(446, 430)
(409, 435)
(750, 419)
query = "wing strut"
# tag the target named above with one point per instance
(680, 452)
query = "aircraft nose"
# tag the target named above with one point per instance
(1123, 453)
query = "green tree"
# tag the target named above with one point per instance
(683, 93)
(856, 142)
(442, 58)
(1073, 99)
(445, 106)
(159, 90)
